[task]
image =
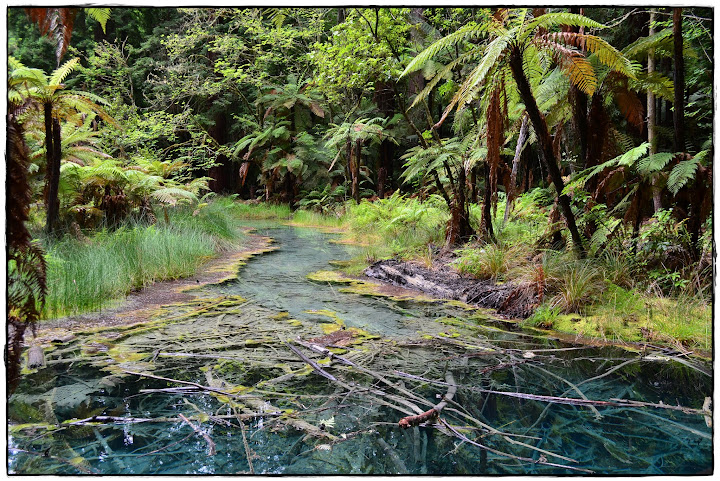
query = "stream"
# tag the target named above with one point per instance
(216, 386)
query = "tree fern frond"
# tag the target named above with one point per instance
(606, 53)
(640, 47)
(102, 15)
(632, 155)
(171, 195)
(657, 83)
(61, 73)
(557, 19)
(681, 174)
(631, 106)
(467, 32)
(440, 75)
(474, 80)
(654, 163)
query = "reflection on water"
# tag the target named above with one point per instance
(233, 345)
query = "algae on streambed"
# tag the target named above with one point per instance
(233, 384)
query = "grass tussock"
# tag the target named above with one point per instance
(85, 275)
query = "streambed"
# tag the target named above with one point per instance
(225, 384)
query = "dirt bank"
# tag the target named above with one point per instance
(509, 299)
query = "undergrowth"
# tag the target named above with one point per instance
(86, 274)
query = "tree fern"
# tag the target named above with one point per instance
(684, 172)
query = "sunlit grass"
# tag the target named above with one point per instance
(490, 261)
(86, 275)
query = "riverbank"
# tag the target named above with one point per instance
(596, 300)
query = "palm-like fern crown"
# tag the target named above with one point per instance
(534, 38)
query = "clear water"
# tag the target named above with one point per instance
(243, 345)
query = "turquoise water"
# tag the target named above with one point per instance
(360, 410)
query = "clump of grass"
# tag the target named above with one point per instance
(316, 219)
(254, 210)
(687, 319)
(490, 261)
(579, 286)
(543, 317)
(617, 268)
(87, 275)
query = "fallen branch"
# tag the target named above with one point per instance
(199, 386)
(312, 363)
(432, 414)
(208, 439)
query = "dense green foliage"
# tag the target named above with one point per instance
(423, 125)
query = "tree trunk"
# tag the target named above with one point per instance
(679, 64)
(511, 194)
(356, 172)
(52, 174)
(546, 149)
(657, 201)
(486, 227)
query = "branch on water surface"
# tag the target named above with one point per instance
(564, 400)
(208, 439)
(433, 413)
(199, 386)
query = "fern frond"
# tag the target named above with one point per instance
(102, 15)
(640, 47)
(657, 83)
(442, 73)
(632, 155)
(681, 175)
(61, 73)
(631, 106)
(467, 32)
(654, 163)
(474, 80)
(172, 195)
(557, 19)
(606, 53)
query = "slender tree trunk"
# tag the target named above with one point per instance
(679, 64)
(486, 227)
(546, 149)
(52, 175)
(657, 201)
(511, 194)
(356, 171)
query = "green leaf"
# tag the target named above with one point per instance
(654, 163)
(102, 15)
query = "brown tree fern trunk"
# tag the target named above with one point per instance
(546, 149)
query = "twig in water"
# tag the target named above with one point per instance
(211, 443)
